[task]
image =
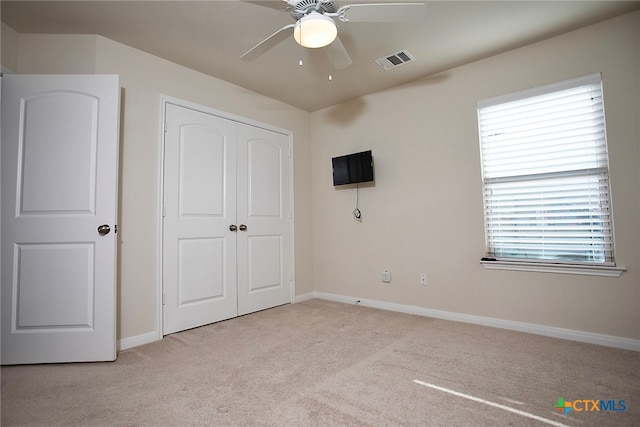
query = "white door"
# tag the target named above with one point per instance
(264, 218)
(199, 259)
(59, 185)
(227, 216)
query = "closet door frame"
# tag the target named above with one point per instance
(164, 101)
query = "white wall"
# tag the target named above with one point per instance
(424, 213)
(9, 49)
(144, 78)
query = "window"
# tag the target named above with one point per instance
(546, 175)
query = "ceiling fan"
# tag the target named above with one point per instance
(316, 28)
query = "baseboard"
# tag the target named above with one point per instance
(130, 342)
(549, 331)
(305, 297)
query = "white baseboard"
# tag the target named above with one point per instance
(130, 342)
(549, 331)
(305, 297)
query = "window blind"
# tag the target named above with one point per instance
(546, 174)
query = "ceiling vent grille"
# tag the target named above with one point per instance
(395, 60)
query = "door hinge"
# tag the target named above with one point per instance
(164, 211)
(165, 126)
(163, 299)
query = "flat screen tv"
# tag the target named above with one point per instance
(353, 168)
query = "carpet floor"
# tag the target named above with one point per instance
(323, 363)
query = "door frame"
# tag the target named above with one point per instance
(164, 101)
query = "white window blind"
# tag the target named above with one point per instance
(546, 174)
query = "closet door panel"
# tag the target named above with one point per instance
(199, 249)
(264, 252)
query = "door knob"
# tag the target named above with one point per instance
(243, 227)
(104, 229)
(233, 227)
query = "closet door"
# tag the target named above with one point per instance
(227, 219)
(199, 248)
(264, 218)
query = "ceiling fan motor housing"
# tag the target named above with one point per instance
(301, 8)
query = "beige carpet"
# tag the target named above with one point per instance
(322, 363)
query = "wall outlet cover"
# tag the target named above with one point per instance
(386, 276)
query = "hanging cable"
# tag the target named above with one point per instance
(357, 215)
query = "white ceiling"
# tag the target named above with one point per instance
(210, 37)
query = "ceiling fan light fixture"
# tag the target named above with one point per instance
(315, 30)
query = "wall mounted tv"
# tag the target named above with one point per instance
(353, 168)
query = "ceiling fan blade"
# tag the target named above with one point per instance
(337, 54)
(382, 12)
(278, 37)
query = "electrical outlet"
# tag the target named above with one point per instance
(423, 279)
(386, 276)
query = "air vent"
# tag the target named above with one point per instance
(395, 59)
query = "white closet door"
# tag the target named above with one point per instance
(227, 207)
(199, 260)
(264, 207)
(59, 185)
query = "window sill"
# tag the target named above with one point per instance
(589, 270)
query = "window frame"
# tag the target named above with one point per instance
(606, 268)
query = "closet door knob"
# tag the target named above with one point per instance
(243, 227)
(104, 229)
(233, 227)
